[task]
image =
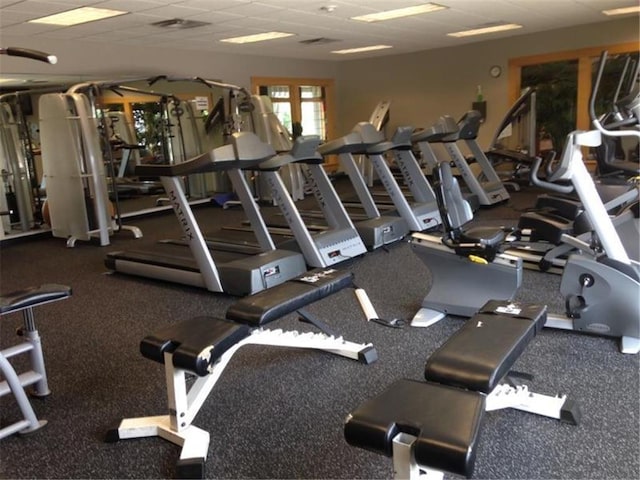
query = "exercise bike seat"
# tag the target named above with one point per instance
(486, 236)
(456, 212)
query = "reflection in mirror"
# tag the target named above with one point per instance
(169, 121)
(617, 97)
(162, 123)
(21, 196)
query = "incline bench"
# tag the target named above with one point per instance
(25, 301)
(203, 346)
(434, 426)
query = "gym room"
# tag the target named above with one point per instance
(402, 242)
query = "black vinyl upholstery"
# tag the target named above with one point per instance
(274, 303)
(196, 343)
(33, 296)
(445, 420)
(445, 412)
(481, 353)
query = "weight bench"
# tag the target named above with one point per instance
(25, 301)
(203, 346)
(433, 427)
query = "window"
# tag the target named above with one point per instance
(566, 106)
(304, 106)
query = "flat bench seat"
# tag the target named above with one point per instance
(445, 420)
(33, 296)
(483, 350)
(196, 344)
(276, 302)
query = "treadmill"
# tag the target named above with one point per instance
(419, 209)
(486, 183)
(376, 230)
(340, 241)
(217, 271)
(445, 127)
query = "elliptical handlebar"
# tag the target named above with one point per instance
(592, 107)
(556, 174)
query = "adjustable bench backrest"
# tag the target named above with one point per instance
(196, 344)
(481, 353)
(445, 413)
(276, 302)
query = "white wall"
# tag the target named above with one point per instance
(425, 85)
(421, 86)
(98, 60)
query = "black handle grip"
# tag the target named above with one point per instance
(32, 54)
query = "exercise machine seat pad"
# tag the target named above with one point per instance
(276, 302)
(445, 420)
(32, 296)
(196, 344)
(487, 236)
(481, 353)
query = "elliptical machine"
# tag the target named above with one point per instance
(601, 291)
(600, 285)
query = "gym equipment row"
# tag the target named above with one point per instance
(600, 286)
(468, 375)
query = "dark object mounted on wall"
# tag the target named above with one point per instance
(480, 107)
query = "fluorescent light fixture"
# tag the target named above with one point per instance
(400, 12)
(258, 37)
(481, 31)
(11, 80)
(362, 49)
(622, 11)
(78, 16)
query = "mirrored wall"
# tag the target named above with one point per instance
(142, 121)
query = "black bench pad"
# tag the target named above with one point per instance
(33, 296)
(481, 353)
(276, 302)
(196, 343)
(445, 420)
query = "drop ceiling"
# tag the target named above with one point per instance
(317, 30)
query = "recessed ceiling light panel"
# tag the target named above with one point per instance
(400, 12)
(361, 49)
(622, 11)
(78, 16)
(258, 37)
(484, 30)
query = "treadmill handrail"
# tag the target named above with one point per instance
(246, 150)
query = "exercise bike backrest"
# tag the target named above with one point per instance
(454, 210)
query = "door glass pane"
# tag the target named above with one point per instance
(283, 112)
(556, 84)
(311, 92)
(313, 118)
(312, 110)
(278, 91)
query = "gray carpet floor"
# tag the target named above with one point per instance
(279, 413)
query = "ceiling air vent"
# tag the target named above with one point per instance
(179, 23)
(319, 41)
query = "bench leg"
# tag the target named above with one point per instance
(521, 398)
(404, 462)
(30, 332)
(30, 423)
(193, 440)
